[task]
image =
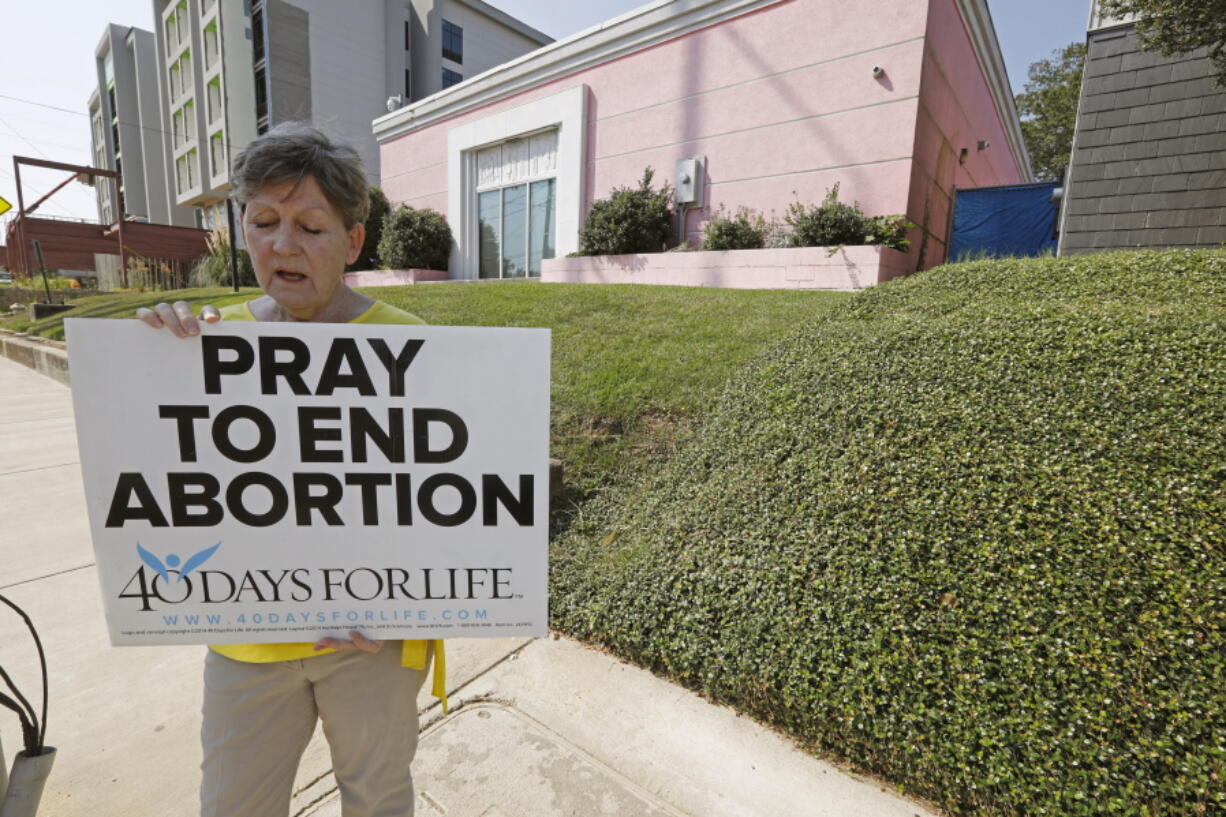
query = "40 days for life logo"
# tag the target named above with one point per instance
(149, 588)
(169, 581)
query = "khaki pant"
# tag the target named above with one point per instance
(258, 719)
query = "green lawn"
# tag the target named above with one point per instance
(633, 366)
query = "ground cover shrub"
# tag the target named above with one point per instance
(833, 223)
(415, 239)
(214, 270)
(743, 230)
(965, 532)
(631, 220)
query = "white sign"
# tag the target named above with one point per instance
(279, 482)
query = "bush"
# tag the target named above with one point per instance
(833, 223)
(213, 268)
(415, 239)
(967, 533)
(630, 220)
(746, 230)
(379, 208)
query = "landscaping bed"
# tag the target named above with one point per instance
(837, 268)
(966, 533)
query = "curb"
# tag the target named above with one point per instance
(47, 357)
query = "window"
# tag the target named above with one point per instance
(179, 129)
(181, 20)
(193, 167)
(189, 121)
(408, 85)
(172, 34)
(408, 36)
(214, 99)
(453, 42)
(261, 101)
(516, 207)
(181, 175)
(185, 71)
(210, 45)
(451, 78)
(257, 34)
(217, 152)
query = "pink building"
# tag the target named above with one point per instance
(897, 101)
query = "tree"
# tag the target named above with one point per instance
(379, 208)
(1048, 108)
(1173, 27)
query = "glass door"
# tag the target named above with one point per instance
(516, 225)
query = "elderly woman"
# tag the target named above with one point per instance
(304, 203)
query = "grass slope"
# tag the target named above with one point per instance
(966, 533)
(633, 367)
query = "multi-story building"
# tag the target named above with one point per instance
(1148, 166)
(231, 69)
(126, 129)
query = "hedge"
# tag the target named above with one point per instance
(966, 533)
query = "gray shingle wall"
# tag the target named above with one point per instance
(1149, 163)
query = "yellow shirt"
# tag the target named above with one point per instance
(414, 654)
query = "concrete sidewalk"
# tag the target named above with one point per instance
(538, 727)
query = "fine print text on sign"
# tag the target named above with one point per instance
(282, 482)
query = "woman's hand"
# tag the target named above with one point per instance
(178, 318)
(356, 641)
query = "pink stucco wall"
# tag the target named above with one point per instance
(956, 111)
(781, 101)
(783, 104)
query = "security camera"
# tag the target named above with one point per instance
(878, 72)
(393, 102)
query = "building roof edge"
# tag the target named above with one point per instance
(978, 20)
(507, 20)
(633, 31)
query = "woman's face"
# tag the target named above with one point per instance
(299, 245)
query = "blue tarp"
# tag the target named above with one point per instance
(1017, 220)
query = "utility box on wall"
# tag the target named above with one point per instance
(688, 187)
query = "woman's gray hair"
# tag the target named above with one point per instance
(292, 151)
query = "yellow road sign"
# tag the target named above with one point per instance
(4, 206)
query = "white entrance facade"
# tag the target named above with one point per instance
(515, 186)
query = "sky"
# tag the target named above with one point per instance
(47, 69)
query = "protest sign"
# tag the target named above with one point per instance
(279, 482)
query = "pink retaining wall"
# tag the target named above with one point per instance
(392, 277)
(956, 111)
(843, 268)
